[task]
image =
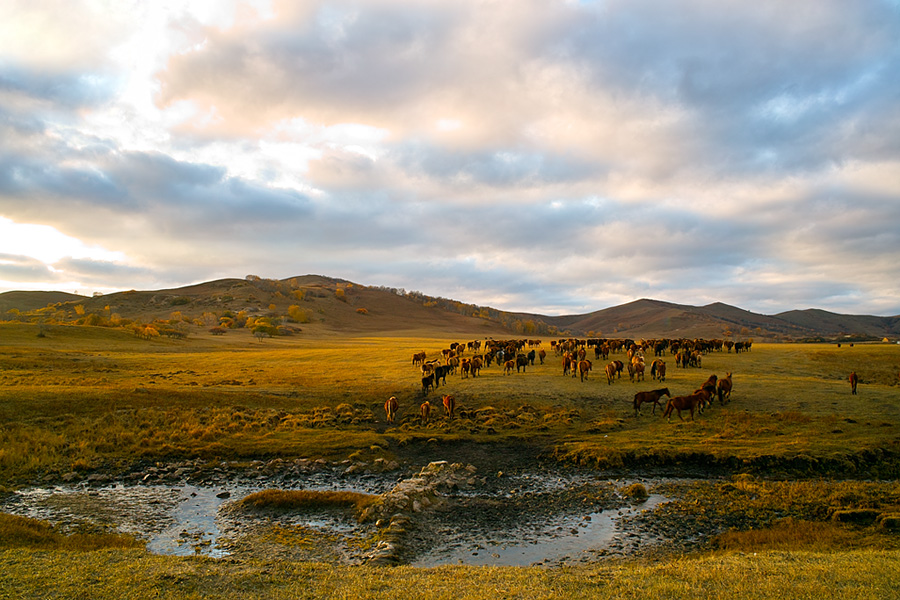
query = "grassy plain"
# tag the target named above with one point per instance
(84, 399)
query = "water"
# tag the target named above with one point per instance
(189, 519)
(564, 540)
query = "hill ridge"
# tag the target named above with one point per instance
(341, 306)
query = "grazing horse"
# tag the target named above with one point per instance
(639, 371)
(542, 354)
(424, 412)
(390, 408)
(652, 396)
(854, 380)
(661, 371)
(428, 382)
(695, 401)
(449, 405)
(724, 388)
(508, 366)
(583, 367)
(610, 373)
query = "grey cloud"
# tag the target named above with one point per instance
(70, 90)
(24, 269)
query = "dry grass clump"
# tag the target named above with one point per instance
(24, 532)
(285, 500)
(800, 535)
(635, 491)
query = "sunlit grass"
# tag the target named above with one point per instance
(23, 532)
(858, 574)
(83, 397)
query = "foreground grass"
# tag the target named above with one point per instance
(135, 574)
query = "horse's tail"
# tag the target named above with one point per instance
(721, 395)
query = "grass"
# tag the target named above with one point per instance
(122, 575)
(24, 532)
(284, 500)
(85, 398)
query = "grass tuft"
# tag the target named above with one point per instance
(24, 532)
(286, 500)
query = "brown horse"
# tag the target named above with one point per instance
(694, 402)
(424, 412)
(709, 385)
(724, 388)
(390, 408)
(610, 372)
(854, 380)
(652, 396)
(583, 367)
(449, 405)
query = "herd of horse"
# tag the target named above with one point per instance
(522, 353)
(511, 354)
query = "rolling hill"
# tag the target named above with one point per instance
(329, 306)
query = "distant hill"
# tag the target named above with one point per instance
(28, 301)
(330, 306)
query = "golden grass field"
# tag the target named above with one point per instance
(85, 399)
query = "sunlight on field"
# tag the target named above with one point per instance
(84, 396)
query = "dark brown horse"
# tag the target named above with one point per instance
(652, 396)
(694, 402)
(854, 380)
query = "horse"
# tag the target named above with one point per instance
(724, 388)
(652, 396)
(476, 366)
(508, 366)
(709, 386)
(449, 403)
(542, 354)
(390, 408)
(428, 382)
(661, 371)
(695, 401)
(639, 370)
(583, 367)
(610, 372)
(424, 412)
(854, 380)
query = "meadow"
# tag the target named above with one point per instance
(83, 400)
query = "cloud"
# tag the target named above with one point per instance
(561, 155)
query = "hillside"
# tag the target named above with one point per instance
(329, 306)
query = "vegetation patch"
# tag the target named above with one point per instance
(24, 532)
(290, 500)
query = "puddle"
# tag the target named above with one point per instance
(565, 540)
(189, 519)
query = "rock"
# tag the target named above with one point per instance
(223, 495)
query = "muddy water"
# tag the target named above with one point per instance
(191, 519)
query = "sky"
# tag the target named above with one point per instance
(545, 156)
